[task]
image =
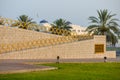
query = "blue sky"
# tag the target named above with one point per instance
(75, 11)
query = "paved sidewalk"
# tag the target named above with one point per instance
(12, 66)
(17, 66)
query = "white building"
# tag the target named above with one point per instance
(76, 29)
(44, 26)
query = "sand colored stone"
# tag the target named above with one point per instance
(69, 50)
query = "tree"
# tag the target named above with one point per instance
(24, 22)
(104, 24)
(1, 21)
(62, 26)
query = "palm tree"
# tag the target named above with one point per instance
(104, 24)
(61, 24)
(24, 22)
(1, 21)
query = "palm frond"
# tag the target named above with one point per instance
(104, 24)
(112, 37)
(24, 22)
(92, 27)
(93, 19)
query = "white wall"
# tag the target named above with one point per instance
(78, 29)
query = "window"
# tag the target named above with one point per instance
(78, 30)
(83, 30)
(99, 48)
(74, 30)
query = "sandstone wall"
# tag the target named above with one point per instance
(69, 50)
(74, 50)
(14, 35)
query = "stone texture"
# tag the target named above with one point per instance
(71, 50)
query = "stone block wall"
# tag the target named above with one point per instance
(75, 50)
(18, 39)
(69, 50)
(16, 35)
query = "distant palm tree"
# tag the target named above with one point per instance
(1, 21)
(61, 24)
(104, 24)
(24, 22)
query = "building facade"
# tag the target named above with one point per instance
(78, 29)
(75, 30)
